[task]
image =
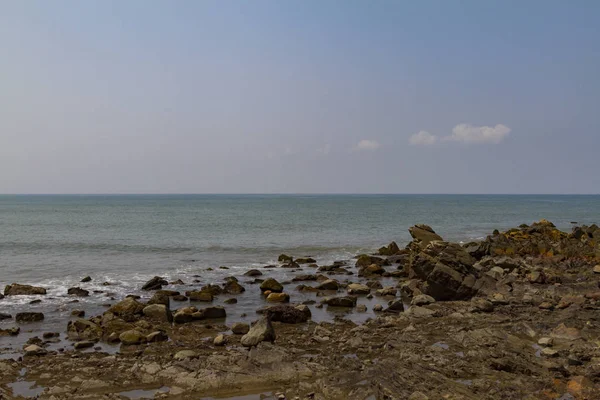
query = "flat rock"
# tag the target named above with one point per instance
(16, 289)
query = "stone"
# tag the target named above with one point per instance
(283, 258)
(389, 250)
(210, 313)
(158, 336)
(305, 260)
(34, 350)
(565, 333)
(240, 328)
(132, 337)
(422, 300)
(231, 301)
(285, 313)
(418, 396)
(180, 297)
(271, 285)
(361, 308)
(184, 315)
(546, 305)
(185, 355)
(215, 290)
(496, 273)
(78, 313)
(377, 308)
(233, 287)
(278, 298)
(548, 352)
(25, 317)
(344, 301)
(161, 297)
(304, 277)
(358, 288)
(81, 329)
(158, 312)
(596, 269)
(16, 289)
(329, 284)
(261, 331)
(155, 283)
(79, 292)
(305, 310)
(396, 306)
(498, 299)
(253, 272)
(388, 291)
(13, 331)
(536, 277)
(128, 309)
(86, 344)
(86, 279)
(370, 270)
(479, 304)
(200, 296)
(4, 316)
(423, 235)
(546, 341)
(220, 340)
(365, 260)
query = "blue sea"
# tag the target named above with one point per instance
(55, 240)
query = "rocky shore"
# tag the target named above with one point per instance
(515, 316)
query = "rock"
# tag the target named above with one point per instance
(291, 264)
(261, 331)
(596, 269)
(50, 335)
(548, 352)
(345, 301)
(16, 289)
(423, 235)
(233, 287)
(361, 308)
(78, 313)
(498, 299)
(305, 310)
(365, 260)
(422, 300)
(304, 277)
(4, 316)
(210, 313)
(220, 340)
(79, 292)
(86, 344)
(389, 250)
(374, 285)
(272, 285)
(231, 301)
(240, 328)
(447, 270)
(128, 309)
(278, 298)
(13, 331)
(546, 341)
(155, 283)
(81, 329)
(132, 337)
(479, 304)
(389, 291)
(200, 296)
(329, 284)
(546, 305)
(417, 396)
(496, 273)
(305, 260)
(215, 290)
(158, 312)
(25, 317)
(185, 355)
(86, 279)
(358, 288)
(283, 258)
(377, 307)
(397, 306)
(184, 315)
(158, 336)
(420, 312)
(34, 350)
(253, 272)
(180, 297)
(565, 333)
(286, 314)
(536, 277)
(371, 270)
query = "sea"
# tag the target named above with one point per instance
(123, 240)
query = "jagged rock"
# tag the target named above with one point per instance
(16, 289)
(423, 235)
(24, 317)
(158, 312)
(200, 296)
(261, 331)
(283, 258)
(271, 285)
(86, 279)
(160, 297)
(128, 309)
(389, 250)
(278, 298)
(329, 284)
(240, 328)
(233, 287)
(81, 329)
(365, 260)
(79, 292)
(358, 288)
(345, 301)
(132, 337)
(155, 283)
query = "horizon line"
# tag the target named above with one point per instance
(298, 194)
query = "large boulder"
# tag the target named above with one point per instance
(286, 314)
(25, 317)
(16, 289)
(158, 312)
(128, 309)
(423, 235)
(271, 285)
(79, 292)
(261, 331)
(447, 271)
(155, 283)
(81, 329)
(132, 337)
(389, 250)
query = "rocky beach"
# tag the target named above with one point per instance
(513, 316)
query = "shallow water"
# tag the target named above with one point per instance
(138, 394)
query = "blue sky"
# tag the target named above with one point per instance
(300, 96)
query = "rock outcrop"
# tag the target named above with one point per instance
(16, 289)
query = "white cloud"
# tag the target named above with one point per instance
(367, 145)
(325, 149)
(423, 138)
(467, 133)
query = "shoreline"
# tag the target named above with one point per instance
(470, 318)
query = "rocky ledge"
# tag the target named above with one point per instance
(516, 316)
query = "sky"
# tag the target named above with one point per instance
(300, 96)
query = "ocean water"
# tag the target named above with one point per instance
(54, 241)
